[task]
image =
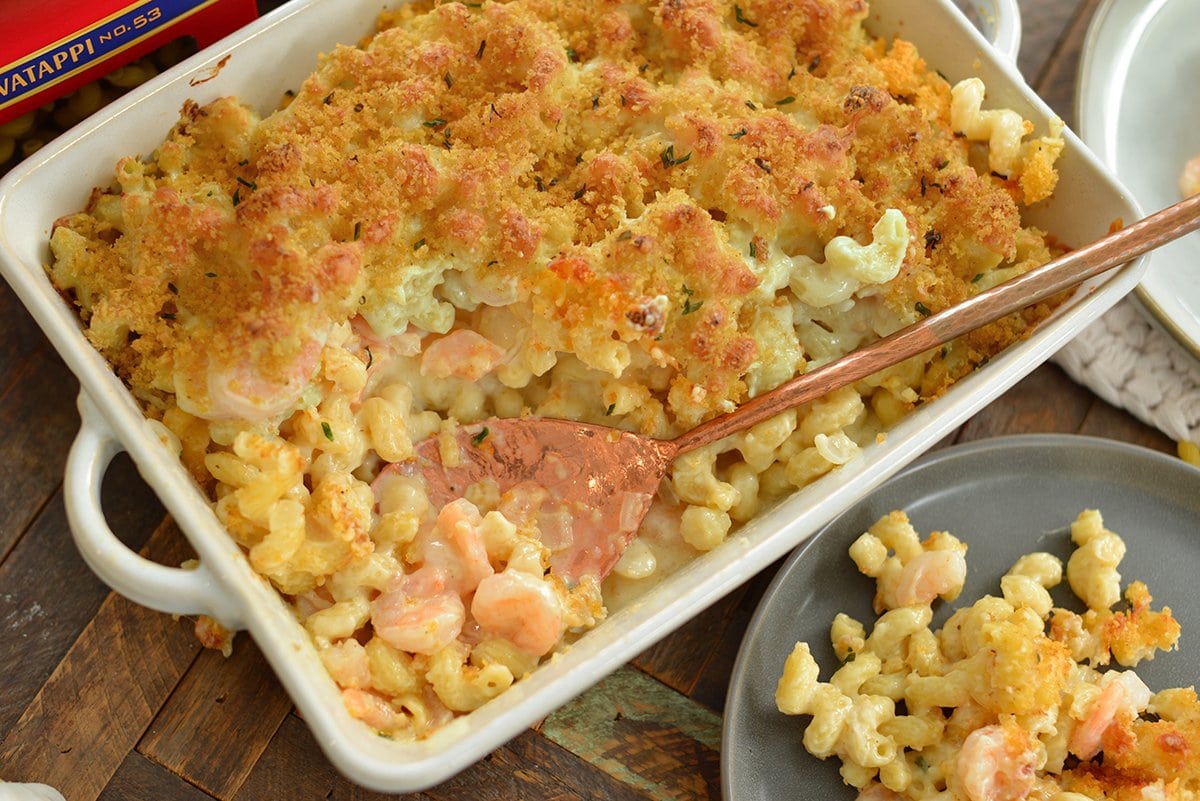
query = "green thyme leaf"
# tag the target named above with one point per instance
(325, 427)
(480, 437)
(922, 309)
(740, 17)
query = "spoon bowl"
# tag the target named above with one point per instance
(589, 486)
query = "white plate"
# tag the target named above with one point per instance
(1138, 108)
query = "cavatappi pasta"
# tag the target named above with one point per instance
(1006, 701)
(634, 214)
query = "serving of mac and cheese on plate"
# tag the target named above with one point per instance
(1010, 699)
(1011, 650)
(633, 215)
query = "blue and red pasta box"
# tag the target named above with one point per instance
(50, 47)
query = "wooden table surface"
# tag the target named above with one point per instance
(105, 699)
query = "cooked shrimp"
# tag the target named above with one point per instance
(374, 710)
(1085, 739)
(242, 392)
(462, 525)
(928, 575)
(997, 763)
(877, 792)
(1189, 179)
(523, 609)
(417, 624)
(461, 353)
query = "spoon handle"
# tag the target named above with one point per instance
(1012, 295)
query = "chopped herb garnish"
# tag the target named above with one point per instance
(978, 277)
(328, 99)
(624, 235)
(816, 62)
(578, 158)
(482, 47)
(850, 657)
(922, 309)
(210, 275)
(167, 315)
(434, 123)
(945, 351)
(572, 56)
(753, 250)
(688, 306)
(537, 181)
(420, 243)
(237, 197)
(622, 100)
(932, 238)
(942, 164)
(370, 357)
(688, 292)
(921, 763)
(497, 113)
(480, 437)
(446, 143)
(247, 184)
(750, 105)
(608, 412)
(243, 162)
(763, 164)
(174, 290)
(579, 192)
(740, 17)
(328, 430)
(792, 74)
(596, 101)
(357, 231)
(785, 101)
(668, 157)
(448, 80)
(738, 134)
(644, 67)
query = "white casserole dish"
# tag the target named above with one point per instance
(275, 54)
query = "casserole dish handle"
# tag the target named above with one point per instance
(1000, 21)
(174, 590)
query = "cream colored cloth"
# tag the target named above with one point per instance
(1131, 364)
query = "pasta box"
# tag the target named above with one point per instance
(51, 48)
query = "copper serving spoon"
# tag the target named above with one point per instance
(599, 481)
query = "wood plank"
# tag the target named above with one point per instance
(48, 594)
(294, 768)
(644, 735)
(39, 420)
(1044, 401)
(534, 748)
(1043, 28)
(19, 335)
(84, 720)
(713, 683)
(139, 779)
(1110, 422)
(1056, 83)
(219, 720)
(679, 658)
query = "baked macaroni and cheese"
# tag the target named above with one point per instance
(1007, 701)
(633, 214)
(1189, 179)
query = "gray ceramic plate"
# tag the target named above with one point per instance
(1004, 497)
